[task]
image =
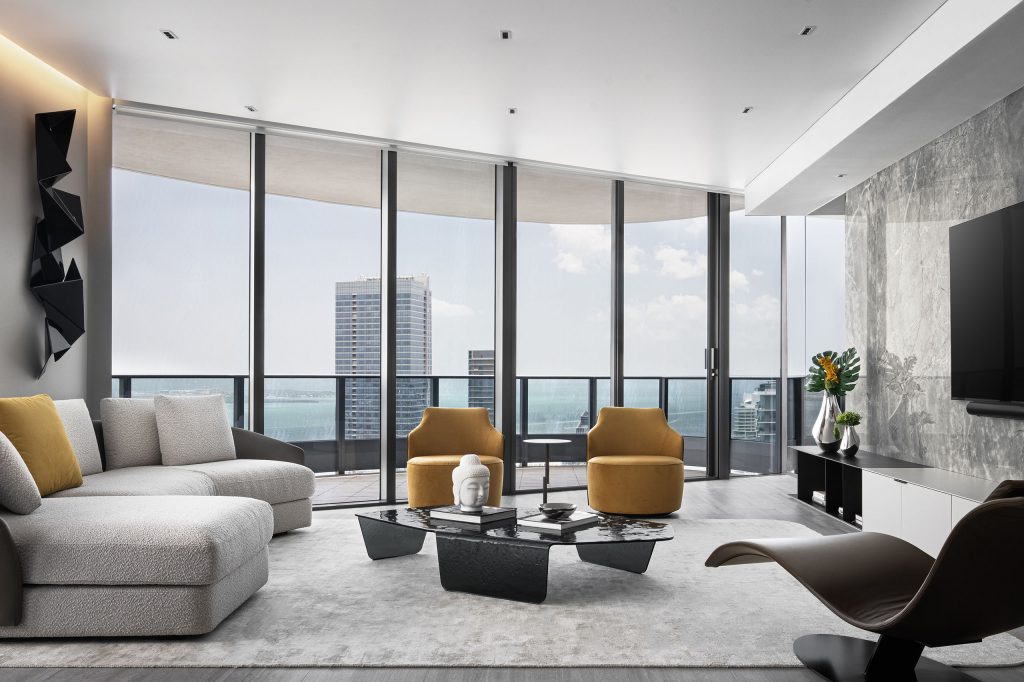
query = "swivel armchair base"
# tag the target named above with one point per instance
(849, 659)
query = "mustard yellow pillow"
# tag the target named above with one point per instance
(37, 432)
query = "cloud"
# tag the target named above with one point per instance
(756, 273)
(738, 280)
(666, 317)
(443, 308)
(680, 263)
(581, 247)
(578, 247)
(569, 262)
(633, 259)
(765, 307)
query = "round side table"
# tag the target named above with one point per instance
(547, 443)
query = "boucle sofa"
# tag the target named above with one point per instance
(148, 550)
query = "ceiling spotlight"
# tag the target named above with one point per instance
(250, 108)
(808, 30)
(506, 34)
(512, 111)
(747, 110)
(841, 175)
(169, 34)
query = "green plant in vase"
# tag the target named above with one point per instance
(849, 444)
(836, 375)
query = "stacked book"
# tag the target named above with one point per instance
(484, 516)
(578, 521)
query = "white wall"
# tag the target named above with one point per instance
(28, 86)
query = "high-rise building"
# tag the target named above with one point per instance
(357, 352)
(755, 416)
(481, 380)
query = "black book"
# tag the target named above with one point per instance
(485, 515)
(577, 521)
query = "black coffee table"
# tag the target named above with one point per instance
(506, 560)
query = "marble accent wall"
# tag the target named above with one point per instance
(897, 293)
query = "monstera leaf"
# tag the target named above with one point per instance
(834, 372)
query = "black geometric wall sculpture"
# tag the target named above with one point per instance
(60, 292)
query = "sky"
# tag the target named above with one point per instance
(181, 286)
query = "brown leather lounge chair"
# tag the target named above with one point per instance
(887, 586)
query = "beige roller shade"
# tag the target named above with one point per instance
(342, 173)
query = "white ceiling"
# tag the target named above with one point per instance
(651, 89)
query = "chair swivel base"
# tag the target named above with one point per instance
(844, 659)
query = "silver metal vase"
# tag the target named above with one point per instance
(824, 431)
(850, 443)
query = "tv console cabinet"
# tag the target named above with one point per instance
(918, 503)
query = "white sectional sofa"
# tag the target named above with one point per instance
(148, 550)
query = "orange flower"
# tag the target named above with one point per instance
(830, 369)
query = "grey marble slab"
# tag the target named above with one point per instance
(897, 293)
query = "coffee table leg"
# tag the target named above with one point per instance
(484, 566)
(625, 556)
(386, 540)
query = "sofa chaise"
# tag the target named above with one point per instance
(150, 550)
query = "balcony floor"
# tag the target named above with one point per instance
(365, 487)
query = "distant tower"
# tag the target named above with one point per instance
(357, 352)
(481, 390)
(584, 426)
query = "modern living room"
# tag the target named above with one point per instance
(590, 340)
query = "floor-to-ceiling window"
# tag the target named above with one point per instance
(322, 389)
(816, 297)
(755, 318)
(563, 315)
(180, 288)
(445, 286)
(182, 297)
(666, 309)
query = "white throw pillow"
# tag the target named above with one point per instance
(129, 432)
(193, 429)
(78, 424)
(18, 490)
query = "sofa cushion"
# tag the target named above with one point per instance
(193, 429)
(139, 540)
(263, 479)
(129, 432)
(18, 491)
(154, 480)
(78, 424)
(34, 427)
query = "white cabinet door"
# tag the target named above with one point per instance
(961, 507)
(927, 517)
(881, 503)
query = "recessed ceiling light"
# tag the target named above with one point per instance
(169, 34)
(512, 111)
(251, 108)
(747, 110)
(808, 30)
(506, 34)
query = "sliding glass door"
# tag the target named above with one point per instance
(666, 310)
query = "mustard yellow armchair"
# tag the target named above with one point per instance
(634, 462)
(443, 436)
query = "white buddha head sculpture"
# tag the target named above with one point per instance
(471, 484)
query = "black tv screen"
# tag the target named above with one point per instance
(986, 300)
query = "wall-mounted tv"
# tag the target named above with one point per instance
(986, 300)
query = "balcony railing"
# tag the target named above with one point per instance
(336, 418)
